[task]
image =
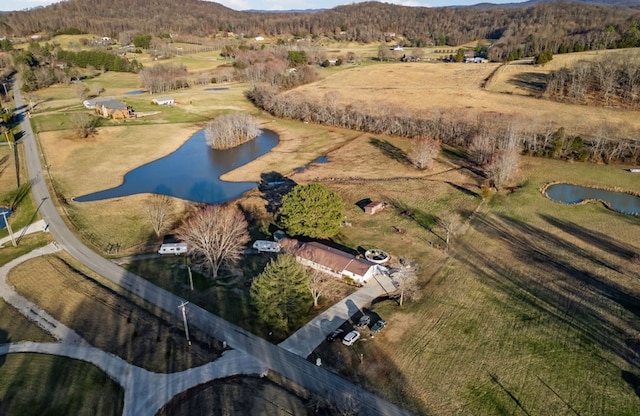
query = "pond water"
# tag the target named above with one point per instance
(216, 89)
(574, 194)
(8, 214)
(135, 92)
(192, 172)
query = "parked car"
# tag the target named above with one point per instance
(335, 335)
(377, 327)
(350, 338)
(364, 321)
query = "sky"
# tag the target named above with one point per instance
(8, 5)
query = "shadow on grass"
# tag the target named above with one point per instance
(560, 280)
(533, 82)
(390, 151)
(594, 238)
(273, 187)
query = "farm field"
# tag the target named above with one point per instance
(454, 90)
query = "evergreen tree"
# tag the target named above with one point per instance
(280, 293)
(312, 210)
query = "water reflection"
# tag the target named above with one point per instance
(575, 194)
(7, 212)
(192, 172)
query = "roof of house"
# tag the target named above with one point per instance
(112, 104)
(333, 259)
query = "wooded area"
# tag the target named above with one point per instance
(559, 26)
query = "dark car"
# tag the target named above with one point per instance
(377, 327)
(364, 321)
(335, 335)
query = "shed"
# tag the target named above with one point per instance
(374, 207)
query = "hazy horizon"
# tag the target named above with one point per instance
(12, 5)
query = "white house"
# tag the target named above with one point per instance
(335, 262)
(163, 101)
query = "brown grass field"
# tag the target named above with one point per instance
(455, 90)
(535, 308)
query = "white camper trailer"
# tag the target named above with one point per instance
(173, 248)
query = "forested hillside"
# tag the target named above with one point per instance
(524, 30)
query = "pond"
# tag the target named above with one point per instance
(7, 212)
(192, 172)
(135, 92)
(575, 194)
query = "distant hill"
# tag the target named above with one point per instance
(524, 27)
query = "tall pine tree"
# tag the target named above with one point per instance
(280, 294)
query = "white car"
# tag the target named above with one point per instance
(350, 338)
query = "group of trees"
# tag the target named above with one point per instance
(279, 66)
(448, 128)
(98, 59)
(231, 130)
(164, 77)
(610, 81)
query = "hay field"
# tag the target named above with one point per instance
(454, 90)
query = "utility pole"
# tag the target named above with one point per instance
(6, 222)
(6, 133)
(184, 317)
(190, 277)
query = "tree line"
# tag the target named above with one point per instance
(98, 59)
(607, 145)
(605, 81)
(525, 30)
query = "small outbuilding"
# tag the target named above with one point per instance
(163, 101)
(374, 207)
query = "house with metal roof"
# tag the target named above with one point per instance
(335, 262)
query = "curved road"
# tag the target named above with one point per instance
(315, 379)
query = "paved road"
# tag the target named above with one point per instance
(145, 392)
(313, 378)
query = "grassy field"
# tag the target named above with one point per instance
(534, 311)
(36, 384)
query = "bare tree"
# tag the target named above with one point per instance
(424, 152)
(84, 123)
(158, 209)
(407, 280)
(450, 222)
(216, 235)
(481, 148)
(503, 166)
(320, 285)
